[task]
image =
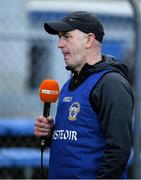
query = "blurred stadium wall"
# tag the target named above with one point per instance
(28, 54)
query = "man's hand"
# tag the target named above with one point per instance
(43, 126)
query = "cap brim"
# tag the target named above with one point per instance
(57, 26)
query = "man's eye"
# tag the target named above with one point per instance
(66, 36)
(63, 36)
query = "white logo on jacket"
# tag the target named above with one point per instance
(61, 134)
(67, 99)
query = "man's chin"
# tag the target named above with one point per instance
(70, 69)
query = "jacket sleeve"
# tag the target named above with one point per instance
(113, 101)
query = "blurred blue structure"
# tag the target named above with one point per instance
(20, 157)
(16, 126)
(115, 48)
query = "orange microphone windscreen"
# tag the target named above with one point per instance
(49, 91)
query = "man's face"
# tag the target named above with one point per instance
(73, 47)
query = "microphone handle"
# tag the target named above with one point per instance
(46, 110)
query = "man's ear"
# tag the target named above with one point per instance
(90, 40)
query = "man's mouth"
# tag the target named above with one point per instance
(66, 55)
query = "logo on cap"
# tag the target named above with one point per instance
(72, 19)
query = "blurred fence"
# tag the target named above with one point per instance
(28, 55)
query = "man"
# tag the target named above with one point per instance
(91, 136)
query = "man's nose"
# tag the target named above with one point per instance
(60, 43)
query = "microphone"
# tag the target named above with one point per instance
(48, 92)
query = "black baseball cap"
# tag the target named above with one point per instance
(81, 20)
